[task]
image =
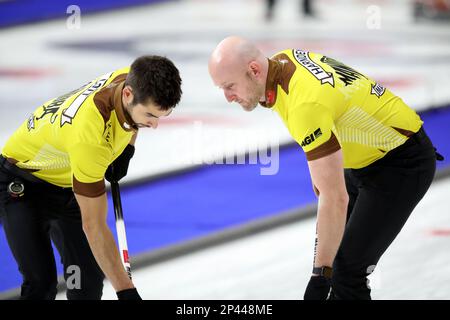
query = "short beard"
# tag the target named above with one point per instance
(127, 113)
(255, 98)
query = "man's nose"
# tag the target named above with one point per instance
(154, 122)
(230, 97)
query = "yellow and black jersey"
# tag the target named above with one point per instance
(71, 140)
(327, 105)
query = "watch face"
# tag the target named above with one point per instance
(16, 188)
(327, 272)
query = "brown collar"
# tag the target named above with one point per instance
(280, 72)
(124, 118)
(273, 79)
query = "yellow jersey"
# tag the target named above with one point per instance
(328, 106)
(71, 140)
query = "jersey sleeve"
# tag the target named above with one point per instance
(89, 154)
(89, 163)
(311, 125)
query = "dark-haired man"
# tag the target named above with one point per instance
(52, 172)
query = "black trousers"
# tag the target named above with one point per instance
(43, 214)
(306, 6)
(382, 197)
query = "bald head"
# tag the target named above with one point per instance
(239, 68)
(234, 52)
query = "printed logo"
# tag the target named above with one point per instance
(69, 113)
(30, 122)
(346, 74)
(317, 71)
(53, 107)
(312, 137)
(107, 132)
(377, 89)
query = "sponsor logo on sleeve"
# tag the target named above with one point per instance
(312, 137)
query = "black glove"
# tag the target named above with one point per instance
(318, 288)
(128, 294)
(120, 165)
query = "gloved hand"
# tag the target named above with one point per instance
(128, 294)
(120, 165)
(318, 288)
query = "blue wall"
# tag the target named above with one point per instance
(15, 12)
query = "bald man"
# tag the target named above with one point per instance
(369, 158)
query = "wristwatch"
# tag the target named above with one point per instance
(327, 272)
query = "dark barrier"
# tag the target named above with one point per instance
(16, 12)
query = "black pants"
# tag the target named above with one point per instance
(43, 214)
(382, 197)
(306, 6)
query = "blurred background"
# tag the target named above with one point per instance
(218, 202)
